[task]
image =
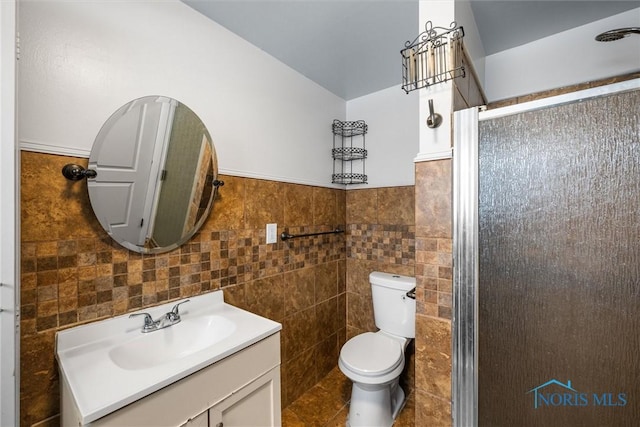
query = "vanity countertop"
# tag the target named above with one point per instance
(111, 363)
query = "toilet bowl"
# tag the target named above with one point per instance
(373, 361)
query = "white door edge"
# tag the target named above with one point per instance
(9, 219)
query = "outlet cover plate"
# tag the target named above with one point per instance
(272, 233)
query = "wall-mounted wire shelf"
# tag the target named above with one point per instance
(435, 56)
(349, 152)
(358, 127)
(349, 178)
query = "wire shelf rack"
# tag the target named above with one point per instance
(358, 127)
(435, 56)
(349, 152)
(349, 178)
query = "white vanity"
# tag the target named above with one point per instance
(219, 366)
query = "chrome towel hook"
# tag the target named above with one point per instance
(434, 120)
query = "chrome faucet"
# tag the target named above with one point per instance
(149, 324)
(169, 319)
(174, 315)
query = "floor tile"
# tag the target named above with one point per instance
(327, 405)
(290, 419)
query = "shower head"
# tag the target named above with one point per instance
(612, 35)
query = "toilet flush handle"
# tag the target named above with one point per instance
(412, 293)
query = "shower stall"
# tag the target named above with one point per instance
(546, 310)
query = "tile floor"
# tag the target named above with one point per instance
(327, 404)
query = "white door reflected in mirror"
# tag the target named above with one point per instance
(156, 174)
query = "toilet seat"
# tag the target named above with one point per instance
(371, 354)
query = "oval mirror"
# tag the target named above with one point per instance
(156, 174)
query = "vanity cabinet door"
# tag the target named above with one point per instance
(256, 404)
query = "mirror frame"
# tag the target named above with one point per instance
(127, 167)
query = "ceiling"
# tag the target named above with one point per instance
(352, 47)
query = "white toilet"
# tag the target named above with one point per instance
(374, 361)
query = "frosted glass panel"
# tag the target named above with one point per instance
(559, 288)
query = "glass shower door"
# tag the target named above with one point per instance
(559, 265)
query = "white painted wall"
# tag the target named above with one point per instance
(472, 42)
(435, 143)
(564, 59)
(9, 222)
(392, 140)
(82, 60)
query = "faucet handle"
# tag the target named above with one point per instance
(149, 323)
(175, 311)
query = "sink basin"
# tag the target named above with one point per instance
(107, 365)
(171, 343)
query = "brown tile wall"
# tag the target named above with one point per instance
(73, 273)
(381, 237)
(434, 274)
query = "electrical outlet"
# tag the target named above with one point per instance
(272, 233)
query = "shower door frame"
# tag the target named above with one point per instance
(464, 369)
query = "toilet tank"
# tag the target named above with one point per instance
(394, 311)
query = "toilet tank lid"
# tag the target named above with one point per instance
(393, 281)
